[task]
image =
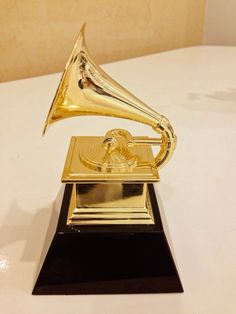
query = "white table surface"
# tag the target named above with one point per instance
(196, 89)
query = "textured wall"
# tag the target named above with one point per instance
(36, 36)
(220, 26)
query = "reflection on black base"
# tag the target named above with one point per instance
(108, 259)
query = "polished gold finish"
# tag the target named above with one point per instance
(85, 89)
(88, 162)
(109, 174)
(110, 204)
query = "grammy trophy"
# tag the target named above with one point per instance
(110, 237)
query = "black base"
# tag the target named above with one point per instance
(108, 259)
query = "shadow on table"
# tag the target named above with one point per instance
(37, 230)
(228, 98)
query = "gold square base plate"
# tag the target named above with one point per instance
(90, 147)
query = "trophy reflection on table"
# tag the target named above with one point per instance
(109, 237)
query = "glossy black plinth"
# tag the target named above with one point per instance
(108, 259)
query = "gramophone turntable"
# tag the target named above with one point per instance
(109, 237)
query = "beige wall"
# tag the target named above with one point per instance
(220, 26)
(36, 36)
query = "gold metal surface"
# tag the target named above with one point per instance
(87, 162)
(107, 196)
(110, 204)
(109, 174)
(85, 89)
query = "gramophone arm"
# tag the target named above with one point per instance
(167, 142)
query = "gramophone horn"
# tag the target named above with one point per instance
(85, 89)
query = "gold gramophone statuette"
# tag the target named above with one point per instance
(109, 173)
(110, 238)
